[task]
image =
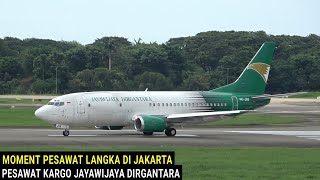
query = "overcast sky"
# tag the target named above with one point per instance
(153, 20)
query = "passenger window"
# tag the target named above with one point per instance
(174, 104)
(150, 104)
(158, 104)
(170, 104)
(56, 103)
(185, 104)
(120, 105)
(61, 103)
(178, 104)
(162, 104)
(50, 103)
(225, 104)
(211, 104)
(154, 104)
(166, 104)
(214, 104)
(193, 104)
(189, 104)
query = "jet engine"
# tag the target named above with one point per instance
(146, 123)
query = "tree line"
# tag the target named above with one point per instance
(201, 62)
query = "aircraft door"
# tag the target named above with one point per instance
(235, 104)
(81, 110)
(80, 106)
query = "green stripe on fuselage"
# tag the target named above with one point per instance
(232, 101)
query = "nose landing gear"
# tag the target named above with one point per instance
(66, 132)
(65, 127)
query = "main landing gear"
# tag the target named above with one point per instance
(170, 131)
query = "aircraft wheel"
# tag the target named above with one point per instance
(66, 133)
(170, 132)
(166, 132)
(148, 133)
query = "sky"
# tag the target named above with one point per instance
(153, 20)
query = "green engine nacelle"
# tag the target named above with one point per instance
(147, 123)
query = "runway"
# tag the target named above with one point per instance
(306, 134)
(226, 137)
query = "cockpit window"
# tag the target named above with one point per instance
(57, 103)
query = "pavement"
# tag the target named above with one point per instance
(298, 135)
(226, 137)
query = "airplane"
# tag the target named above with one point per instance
(159, 111)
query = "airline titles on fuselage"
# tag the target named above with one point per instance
(102, 99)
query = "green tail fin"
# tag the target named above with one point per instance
(254, 77)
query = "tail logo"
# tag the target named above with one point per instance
(262, 69)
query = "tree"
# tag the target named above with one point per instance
(147, 57)
(153, 81)
(196, 82)
(199, 62)
(109, 46)
(9, 68)
(100, 79)
(40, 86)
(76, 59)
(176, 63)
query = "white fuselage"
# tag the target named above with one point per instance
(118, 108)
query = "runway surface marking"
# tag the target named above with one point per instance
(94, 135)
(314, 135)
(76, 135)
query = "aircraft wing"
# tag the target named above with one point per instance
(199, 114)
(277, 95)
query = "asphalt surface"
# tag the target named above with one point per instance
(227, 137)
(305, 134)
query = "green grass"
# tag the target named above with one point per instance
(20, 118)
(310, 95)
(227, 163)
(21, 101)
(253, 119)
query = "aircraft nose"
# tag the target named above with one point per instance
(40, 113)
